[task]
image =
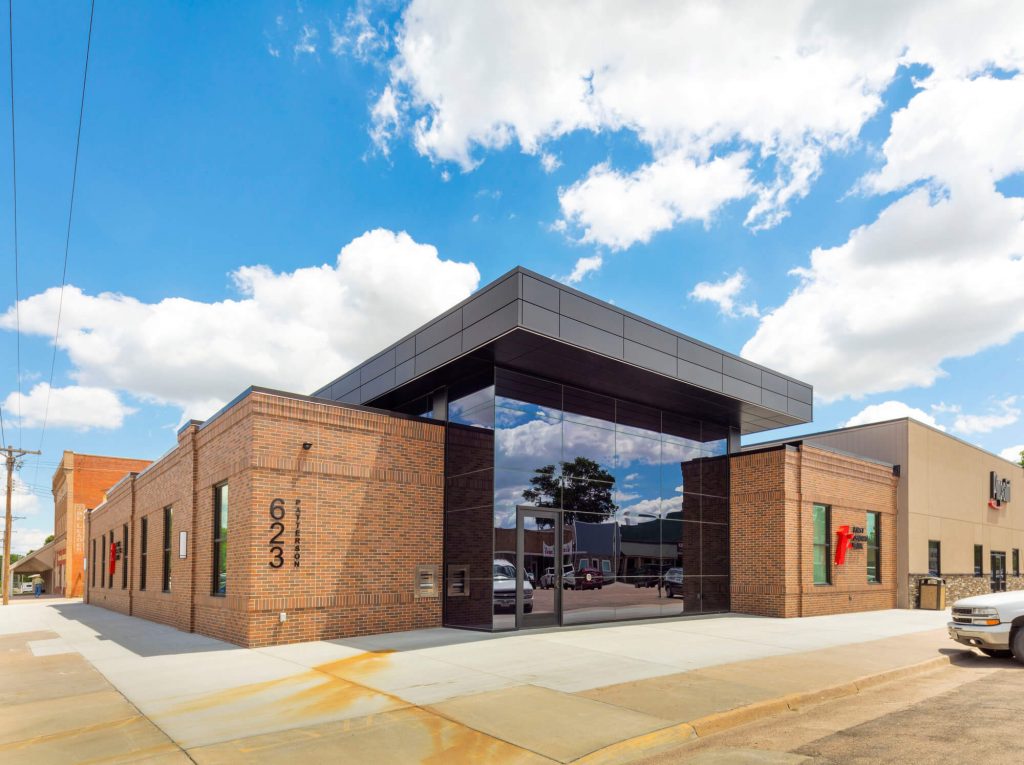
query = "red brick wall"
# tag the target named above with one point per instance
(763, 562)
(371, 496)
(167, 483)
(772, 531)
(80, 482)
(108, 528)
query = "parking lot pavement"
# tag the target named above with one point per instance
(554, 694)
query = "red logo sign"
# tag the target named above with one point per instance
(844, 537)
(113, 556)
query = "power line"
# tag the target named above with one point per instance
(67, 236)
(14, 178)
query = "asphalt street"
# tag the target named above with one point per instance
(970, 711)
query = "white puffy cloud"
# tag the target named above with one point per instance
(27, 502)
(1012, 453)
(620, 209)
(549, 162)
(26, 539)
(788, 81)
(724, 294)
(958, 132)
(1004, 413)
(294, 331)
(890, 410)
(585, 265)
(74, 406)
(385, 120)
(929, 280)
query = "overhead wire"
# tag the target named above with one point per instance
(71, 210)
(14, 183)
(67, 236)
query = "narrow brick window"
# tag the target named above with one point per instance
(124, 557)
(979, 566)
(873, 545)
(934, 558)
(168, 518)
(103, 567)
(822, 544)
(1016, 562)
(92, 563)
(143, 540)
(220, 539)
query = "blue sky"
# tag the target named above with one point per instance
(682, 162)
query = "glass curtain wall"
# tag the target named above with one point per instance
(643, 496)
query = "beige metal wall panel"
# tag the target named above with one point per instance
(951, 489)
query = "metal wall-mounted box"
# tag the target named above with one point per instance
(426, 581)
(458, 581)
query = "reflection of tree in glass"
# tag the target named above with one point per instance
(585, 487)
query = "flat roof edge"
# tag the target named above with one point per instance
(522, 271)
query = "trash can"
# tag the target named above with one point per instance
(932, 593)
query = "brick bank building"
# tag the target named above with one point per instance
(531, 457)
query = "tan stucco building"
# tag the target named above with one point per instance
(948, 523)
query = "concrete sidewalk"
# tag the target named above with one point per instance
(607, 693)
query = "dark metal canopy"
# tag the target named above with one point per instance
(529, 323)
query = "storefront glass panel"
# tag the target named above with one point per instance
(641, 498)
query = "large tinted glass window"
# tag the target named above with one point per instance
(822, 570)
(124, 557)
(642, 497)
(220, 539)
(168, 522)
(143, 553)
(934, 558)
(873, 547)
(470, 431)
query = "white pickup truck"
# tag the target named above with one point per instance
(994, 624)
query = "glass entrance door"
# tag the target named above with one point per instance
(538, 567)
(998, 561)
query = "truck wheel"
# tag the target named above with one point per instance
(1017, 644)
(996, 653)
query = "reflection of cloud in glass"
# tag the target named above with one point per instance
(535, 438)
(481, 417)
(458, 408)
(639, 512)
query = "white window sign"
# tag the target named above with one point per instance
(182, 544)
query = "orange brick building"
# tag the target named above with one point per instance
(79, 484)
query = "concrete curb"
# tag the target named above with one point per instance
(673, 735)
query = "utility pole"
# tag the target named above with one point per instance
(10, 453)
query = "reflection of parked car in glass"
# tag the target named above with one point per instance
(673, 582)
(547, 581)
(588, 579)
(505, 588)
(650, 575)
